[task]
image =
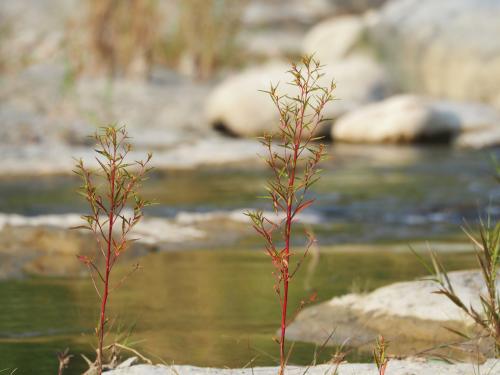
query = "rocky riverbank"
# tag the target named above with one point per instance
(401, 78)
(395, 368)
(409, 314)
(45, 245)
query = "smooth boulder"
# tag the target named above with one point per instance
(395, 311)
(411, 118)
(239, 106)
(334, 39)
(445, 48)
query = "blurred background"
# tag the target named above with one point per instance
(411, 139)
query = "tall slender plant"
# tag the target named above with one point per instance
(110, 220)
(293, 159)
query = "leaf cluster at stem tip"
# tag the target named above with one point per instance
(293, 155)
(111, 190)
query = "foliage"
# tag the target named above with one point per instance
(109, 212)
(300, 116)
(203, 38)
(114, 38)
(128, 37)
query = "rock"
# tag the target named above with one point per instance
(238, 107)
(270, 43)
(261, 13)
(271, 29)
(54, 158)
(395, 311)
(483, 138)
(150, 230)
(169, 107)
(471, 117)
(398, 119)
(128, 362)
(395, 367)
(356, 6)
(277, 13)
(446, 48)
(410, 118)
(479, 124)
(39, 106)
(30, 245)
(334, 39)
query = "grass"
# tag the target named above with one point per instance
(486, 243)
(119, 37)
(202, 37)
(127, 38)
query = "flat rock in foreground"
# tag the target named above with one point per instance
(408, 314)
(491, 367)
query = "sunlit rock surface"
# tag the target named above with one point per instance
(239, 106)
(334, 39)
(46, 245)
(405, 312)
(411, 118)
(445, 48)
(395, 367)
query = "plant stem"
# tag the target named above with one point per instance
(108, 262)
(288, 187)
(288, 232)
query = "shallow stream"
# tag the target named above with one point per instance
(215, 305)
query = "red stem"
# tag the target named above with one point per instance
(288, 231)
(108, 264)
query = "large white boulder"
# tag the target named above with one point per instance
(264, 13)
(239, 106)
(334, 39)
(411, 118)
(445, 48)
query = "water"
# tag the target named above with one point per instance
(217, 307)
(202, 308)
(367, 193)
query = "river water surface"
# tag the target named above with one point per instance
(214, 305)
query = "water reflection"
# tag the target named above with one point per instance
(207, 308)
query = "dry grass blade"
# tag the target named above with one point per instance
(486, 244)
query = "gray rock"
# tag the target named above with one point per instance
(30, 244)
(483, 138)
(395, 367)
(410, 118)
(334, 39)
(128, 363)
(356, 6)
(396, 311)
(270, 42)
(274, 13)
(239, 106)
(446, 48)
(39, 107)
